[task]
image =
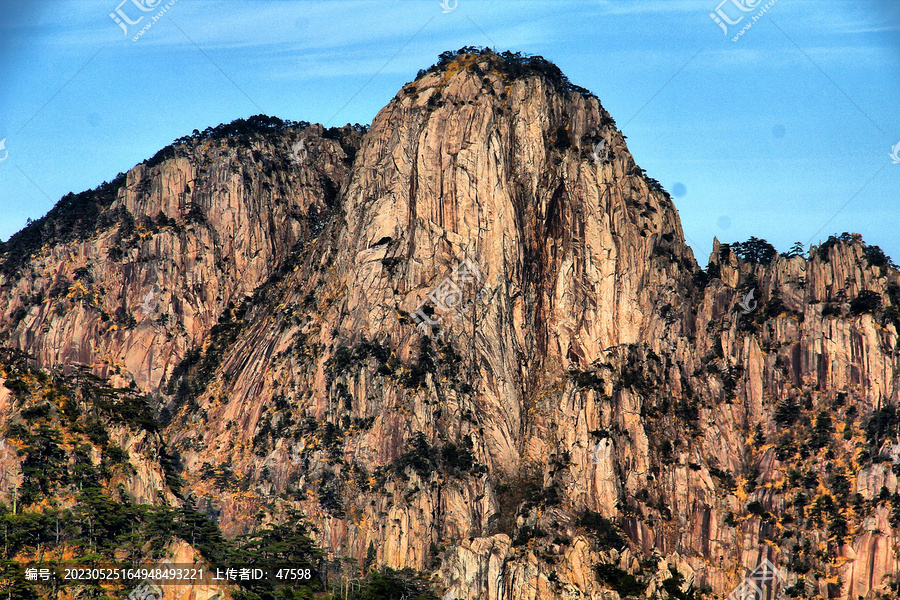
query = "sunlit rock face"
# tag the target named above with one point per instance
(472, 341)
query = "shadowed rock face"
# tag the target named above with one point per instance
(491, 355)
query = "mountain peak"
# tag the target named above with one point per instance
(510, 66)
(468, 340)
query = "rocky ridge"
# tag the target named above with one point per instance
(172, 243)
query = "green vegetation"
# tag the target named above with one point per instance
(875, 256)
(223, 477)
(832, 309)
(518, 495)
(814, 438)
(602, 529)
(796, 250)
(619, 580)
(75, 217)
(389, 583)
(866, 302)
(44, 463)
(278, 546)
(190, 377)
(797, 590)
(80, 216)
(255, 125)
(787, 411)
(331, 493)
(512, 66)
(453, 460)
(526, 533)
(344, 358)
(435, 358)
(642, 372)
(588, 379)
(63, 423)
(99, 528)
(726, 478)
(673, 584)
(822, 430)
(883, 424)
(824, 249)
(754, 251)
(131, 230)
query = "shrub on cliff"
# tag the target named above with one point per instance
(75, 217)
(454, 460)
(619, 580)
(883, 424)
(673, 586)
(388, 583)
(877, 258)
(602, 529)
(867, 302)
(833, 240)
(512, 66)
(755, 251)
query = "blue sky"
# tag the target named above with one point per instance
(783, 134)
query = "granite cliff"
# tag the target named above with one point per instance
(471, 341)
